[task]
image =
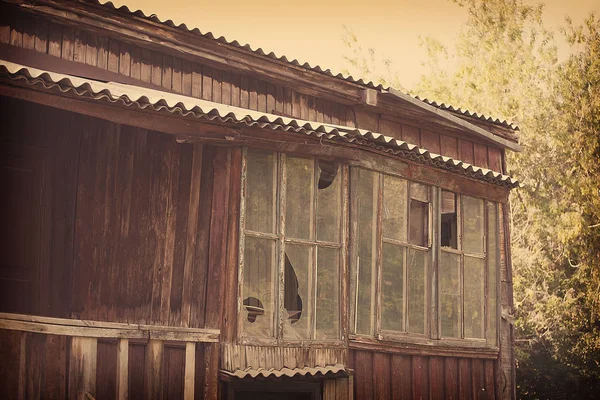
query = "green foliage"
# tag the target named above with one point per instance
(505, 64)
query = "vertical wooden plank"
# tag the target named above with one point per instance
(190, 370)
(335, 117)
(153, 376)
(342, 386)
(107, 365)
(146, 67)
(41, 36)
(382, 376)
(16, 31)
(244, 92)
(420, 377)
(114, 54)
(56, 367)
(225, 88)
(173, 372)
(82, 367)
(288, 101)
(29, 32)
(478, 379)
(186, 78)
(197, 81)
(91, 49)
(235, 89)
(167, 72)
(329, 389)
(216, 85)
(364, 374)
(401, 377)
(311, 105)
(411, 135)
(253, 94)
(303, 106)
(270, 98)
(136, 370)
(464, 378)
(136, 62)
(125, 59)
(449, 146)
(466, 151)
(279, 99)
(211, 371)
(177, 75)
(80, 48)
(156, 73)
(34, 365)
(123, 369)
(481, 159)
(436, 377)
(68, 43)
(495, 159)
(431, 141)
(490, 387)
(7, 17)
(199, 372)
(261, 94)
(207, 83)
(451, 378)
(102, 52)
(55, 40)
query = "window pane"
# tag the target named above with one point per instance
(472, 225)
(392, 287)
(329, 202)
(365, 190)
(419, 222)
(299, 198)
(449, 220)
(492, 255)
(328, 297)
(449, 273)
(297, 301)
(258, 290)
(417, 290)
(394, 208)
(260, 191)
(474, 297)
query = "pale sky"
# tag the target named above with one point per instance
(311, 30)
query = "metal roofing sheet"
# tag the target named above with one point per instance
(249, 372)
(316, 68)
(149, 99)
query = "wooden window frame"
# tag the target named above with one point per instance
(280, 242)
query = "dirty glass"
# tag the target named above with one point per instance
(299, 198)
(394, 210)
(329, 202)
(492, 257)
(417, 290)
(297, 302)
(449, 275)
(261, 187)
(474, 297)
(258, 289)
(419, 214)
(472, 225)
(365, 190)
(449, 221)
(328, 295)
(392, 287)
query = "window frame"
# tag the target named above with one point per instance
(280, 239)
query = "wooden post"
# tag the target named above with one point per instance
(82, 367)
(190, 370)
(153, 369)
(122, 369)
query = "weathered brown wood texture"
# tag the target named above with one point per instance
(395, 376)
(192, 78)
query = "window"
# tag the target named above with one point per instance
(292, 241)
(415, 276)
(392, 252)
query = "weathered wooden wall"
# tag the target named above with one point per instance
(47, 366)
(190, 77)
(395, 376)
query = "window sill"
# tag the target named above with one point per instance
(314, 343)
(426, 347)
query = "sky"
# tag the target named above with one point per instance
(311, 30)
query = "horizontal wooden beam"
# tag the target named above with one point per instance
(100, 329)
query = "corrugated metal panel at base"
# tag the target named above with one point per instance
(337, 370)
(154, 100)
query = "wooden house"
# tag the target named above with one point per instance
(186, 217)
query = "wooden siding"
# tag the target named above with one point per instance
(395, 376)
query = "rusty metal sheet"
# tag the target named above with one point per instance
(184, 106)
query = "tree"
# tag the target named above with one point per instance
(505, 64)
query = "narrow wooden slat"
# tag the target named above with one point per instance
(167, 72)
(495, 159)
(341, 389)
(490, 386)
(136, 62)
(177, 75)
(123, 369)
(225, 87)
(190, 371)
(466, 151)
(261, 95)
(91, 50)
(244, 92)
(146, 66)
(80, 48)
(125, 59)
(102, 52)
(420, 377)
(211, 371)
(449, 146)
(82, 367)
(401, 377)
(207, 83)
(382, 376)
(153, 378)
(436, 377)
(55, 40)
(29, 32)
(56, 367)
(197, 81)
(106, 369)
(216, 85)
(430, 141)
(270, 98)
(451, 378)
(68, 43)
(329, 389)
(411, 135)
(481, 159)
(464, 378)
(16, 31)
(136, 370)
(186, 78)
(478, 379)
(156, 68)
(41, 36)
(114, 53)
(364, 374)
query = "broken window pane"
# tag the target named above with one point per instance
(449, 274)
(472, 240)
(258, 291)
(392, 287)
(417, 290)
(297, 301)
(474, 297)
(329, 202)
(394, 210)
(260, 191)
(328, 298)
(449, 231)
(299, 198)
(492, 257)
(365, 190)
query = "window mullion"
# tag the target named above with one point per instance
(312, 290)
(282, 172)
(462, 267)
(378, 252)
(434, 320)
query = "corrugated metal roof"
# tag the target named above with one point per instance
(331, 370)
(316, 68)
(149, 99)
